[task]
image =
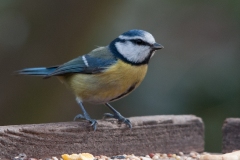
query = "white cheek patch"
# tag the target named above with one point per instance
(133, 53)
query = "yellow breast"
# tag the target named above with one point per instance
(114, 83)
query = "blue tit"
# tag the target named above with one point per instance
(106, 74)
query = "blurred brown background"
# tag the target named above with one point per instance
(198, 71)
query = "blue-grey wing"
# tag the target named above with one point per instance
(92, 63)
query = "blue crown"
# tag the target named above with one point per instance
(134, 32)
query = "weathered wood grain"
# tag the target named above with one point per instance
(168, 134)
(231, 135)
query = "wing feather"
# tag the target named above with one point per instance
(97, 61)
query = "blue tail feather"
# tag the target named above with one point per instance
(40, 71)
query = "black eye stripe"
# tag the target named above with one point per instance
(139, 42)
(134, 41)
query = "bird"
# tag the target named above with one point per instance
(105, 74)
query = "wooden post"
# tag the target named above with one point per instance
(162, 134)
(231, 135)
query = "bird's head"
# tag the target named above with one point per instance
(135, 47)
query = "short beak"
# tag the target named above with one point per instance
(157, 46)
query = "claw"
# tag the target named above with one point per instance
(120, 119)
(94, 124)
(128, 123)
(92, 121)
(85, 116)
(117, 116)
(108, 115)
(79, 116)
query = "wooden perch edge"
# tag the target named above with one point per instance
(162, 134)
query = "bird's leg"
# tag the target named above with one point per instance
(85, 115)
(117, 116)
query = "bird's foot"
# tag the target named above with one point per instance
(119, 117)
(87, 117)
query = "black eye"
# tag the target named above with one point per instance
(139, 42)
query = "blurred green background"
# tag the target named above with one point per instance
(198, 71)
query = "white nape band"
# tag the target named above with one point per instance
(127, 37)
(147, 37)
(85, 61)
